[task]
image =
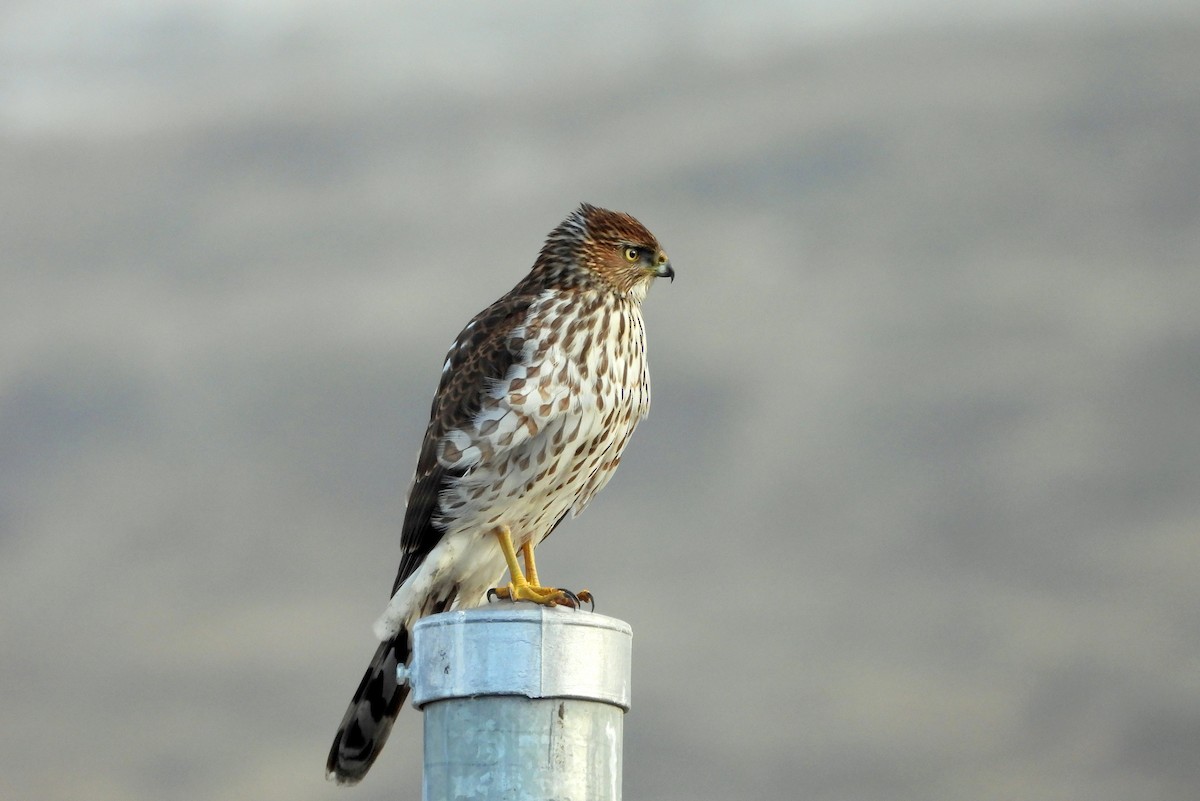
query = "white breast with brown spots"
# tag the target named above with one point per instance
(547, 438)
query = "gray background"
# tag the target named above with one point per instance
(915, 515)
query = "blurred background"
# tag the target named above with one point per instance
(916, 514)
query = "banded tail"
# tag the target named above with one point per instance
(369, 719)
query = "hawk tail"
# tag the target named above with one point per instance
(373, 710)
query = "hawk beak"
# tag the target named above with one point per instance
(664, 270)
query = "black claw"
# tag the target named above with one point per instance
(591, 599)
(492, 595)
(574, 598)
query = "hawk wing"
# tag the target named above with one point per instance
(479, 357)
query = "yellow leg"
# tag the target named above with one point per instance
(525, 586)
(510, 556)
(530, 567)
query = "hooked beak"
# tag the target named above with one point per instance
(664, 270)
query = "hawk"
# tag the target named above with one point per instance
(537, 400)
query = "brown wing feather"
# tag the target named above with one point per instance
(478, 356)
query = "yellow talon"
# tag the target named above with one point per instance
(546, 596)
(525, 586)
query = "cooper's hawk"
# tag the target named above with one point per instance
(538, 397)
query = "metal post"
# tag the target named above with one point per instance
(521, 703)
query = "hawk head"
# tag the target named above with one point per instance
(596, 247)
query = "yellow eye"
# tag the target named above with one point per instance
(632, 254)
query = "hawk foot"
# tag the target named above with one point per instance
(545, 596)
(525, 586)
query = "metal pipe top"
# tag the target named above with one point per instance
(521, 649)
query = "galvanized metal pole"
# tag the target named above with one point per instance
(521, 702)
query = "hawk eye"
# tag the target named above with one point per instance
(632, 254)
